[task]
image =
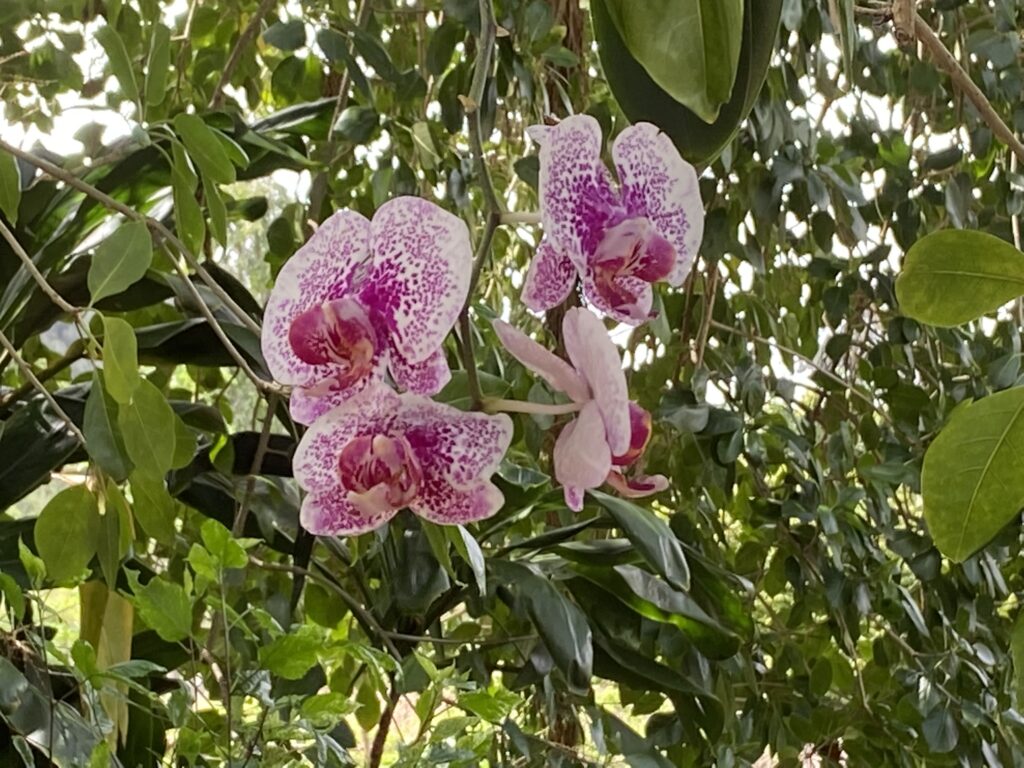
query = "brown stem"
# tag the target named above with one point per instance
(387, 716)
(244, 40)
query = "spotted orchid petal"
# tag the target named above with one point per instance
(426, 378)
(582, 458)
(447, 505)
(421, 270)
(595, 357)
(550, 278)
(380, 451)
(577, 197)
(656, 182)
(315, 463)
(330, 513)
(307, 404)
(325, 268)
(553, 369)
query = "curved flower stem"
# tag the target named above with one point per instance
(484, 54)
(496, 405)
(520, 217)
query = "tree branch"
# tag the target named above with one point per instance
(26, 370)
(244, 40)
(33, 270)
(946, 62)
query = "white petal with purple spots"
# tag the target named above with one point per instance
(422, 261)
(426, 378)
(658, 183)
(550, 278)
(447, 505)
(322, 269)
(329, 513)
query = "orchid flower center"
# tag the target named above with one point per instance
(640, 434)
(337, 333)
(631, 249)
(380, 473)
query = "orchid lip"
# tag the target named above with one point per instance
(339, 334)
(380, 472)
(633, 248)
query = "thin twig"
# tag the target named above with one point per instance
(244, 40)
(946, 62)
(453, 641)
(257, 465)
(26, 370)
(56, 172)
(387, 716)
(30, 265)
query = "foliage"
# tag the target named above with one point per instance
(786, 590)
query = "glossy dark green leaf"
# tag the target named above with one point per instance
(642, 99)
(67, 532)
(121, 260)
(10, 187)
(971, 479)
(954, 276)
(103, 438)
(286, 35)
(699, 37)
(652, 537)
(33, 443)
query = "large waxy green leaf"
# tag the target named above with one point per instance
(121, 260)
(955, 276)
(690, 48)
(651, 536)
(103, 438)
(204, 148)
(117, 57)
(971, 480)
(642, 99)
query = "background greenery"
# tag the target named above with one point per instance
(785, 592)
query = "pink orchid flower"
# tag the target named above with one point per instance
(635, 486)
(361, 298)
(380, 452)
(618, 239)
(608, 433)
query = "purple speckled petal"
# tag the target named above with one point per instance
(307, 404)
(550, 278)
(577, 199)
(581, 456)
(624, 298)
(371, 411)
(324, 268)
(329, 513)
(460, 446)
(596, 358)
(444, 504)
(426, 378)
(422, 260)
(658, 183)
(553, 369)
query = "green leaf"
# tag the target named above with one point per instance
(954, 276)
(940, 731)
(1017, 653)
(699, 37)
(158, 65)
(117, 57)
(227, 552)
(492, 707)
(67, 532)
(204, 148)
(120, 261)
(10, 187)
(559, 621)
(286, 35)
(971, 479)
(114, 536)
(652, 537)
(120, 359)
(188, 215)
(469, 550)
(147, 425)
(153, 507)
(184, 444)
(103, 438)
(13, 595)
(642, 99)
(291, 656)
(165, 607)
(217, 210)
